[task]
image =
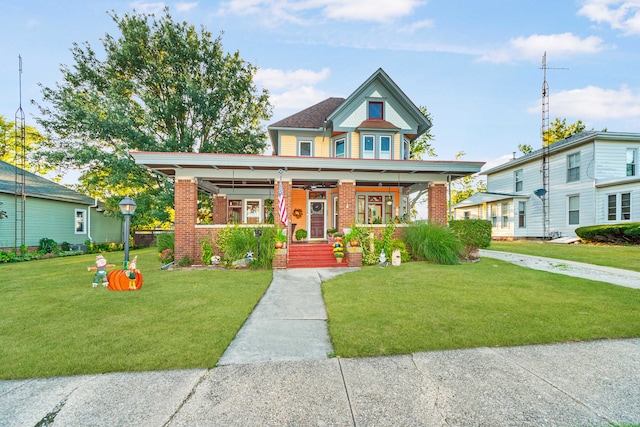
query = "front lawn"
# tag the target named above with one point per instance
(55, 323)
(420, 307)
(625, 257)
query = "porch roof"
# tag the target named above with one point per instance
(487, 197)
(220, 171)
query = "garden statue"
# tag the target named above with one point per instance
(101, 271)
(131, 273)
(383, 259)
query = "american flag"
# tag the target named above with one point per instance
(282, 206)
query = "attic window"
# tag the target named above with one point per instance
(376, 110)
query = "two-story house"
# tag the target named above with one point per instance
(593, 179)
(341, 162)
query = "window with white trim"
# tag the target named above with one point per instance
(304, 148)
(573, 167)
(619, 203)
(80, 221)
(504, 210)
(369, 147)
(385, 147)
(339, 147)
(574, 210)
(632, 161)
(522, 213)
(518, 180)
(494, 215)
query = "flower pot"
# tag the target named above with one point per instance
(339, 259)
(354, 242)
(279, 245)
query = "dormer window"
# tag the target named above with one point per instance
(376, 110)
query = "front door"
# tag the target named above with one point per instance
(317, 217)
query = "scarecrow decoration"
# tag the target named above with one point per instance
(101, 271)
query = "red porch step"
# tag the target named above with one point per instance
(312, 255)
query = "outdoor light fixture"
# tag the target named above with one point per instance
(128, 208)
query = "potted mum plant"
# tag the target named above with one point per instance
(338, 251)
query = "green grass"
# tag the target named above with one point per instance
(55, 323)
(420, 307)
(625, 257)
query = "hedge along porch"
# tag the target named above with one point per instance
(320, 193)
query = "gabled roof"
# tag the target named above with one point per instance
(320, 115)
(566, 144)
(38, 187)
(383, 78)
(310, 118)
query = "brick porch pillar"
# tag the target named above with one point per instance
(219, 209)
(280, 258)
(346, 204)
(186, 210)
(437, 203)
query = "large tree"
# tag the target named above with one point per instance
(558, 130)
(162, 86)
(10, 135)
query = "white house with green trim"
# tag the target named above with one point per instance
(593, 179)
(50, 210)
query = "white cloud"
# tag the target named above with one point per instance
(415, 26)
(292, 90)
(348, 10)
(273, 79)
(595, 103)
(533, 47)
(186, 6)
(367, 10)
(619, 14)
(146, 7)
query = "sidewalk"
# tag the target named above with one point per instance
(276, 372)
(616, 276)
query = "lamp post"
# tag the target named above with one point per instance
(128, 208)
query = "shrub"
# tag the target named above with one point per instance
(234, 242)
(301, 234)
(65, 246)
(165, 241)
(47, 246)
(185, 261)
(433, 242)
(618, 234)
(207, 251)
(166, 256)
(473, 233)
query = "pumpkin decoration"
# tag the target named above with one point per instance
(119, 280)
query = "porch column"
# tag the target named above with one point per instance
(287, 190)
(437, 203)
(220, 209)
(186, 211)
(346, 204)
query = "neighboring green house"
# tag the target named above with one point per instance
(52, 211)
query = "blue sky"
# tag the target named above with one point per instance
(474, 65)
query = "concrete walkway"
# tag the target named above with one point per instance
(276, 372)
(289, 323)
(616, 276)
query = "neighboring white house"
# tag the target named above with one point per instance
(593, 179)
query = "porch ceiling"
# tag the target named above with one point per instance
(222, 171)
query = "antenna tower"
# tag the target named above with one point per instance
(544, 135)
(20, 195)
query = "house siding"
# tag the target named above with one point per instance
(602, 173)
(55, 220)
